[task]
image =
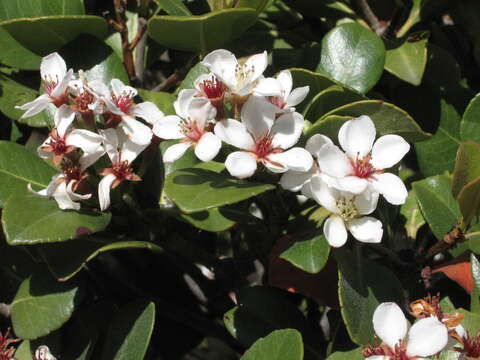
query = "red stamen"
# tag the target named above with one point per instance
(122, 171)
(213, 89)
(124, 102)
(191, 130)
(362, 168)
(277, 101)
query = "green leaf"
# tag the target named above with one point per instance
(27, 348)
(309, 253)
(467, 166)
(215, 220)
(316, 82)
(413, 18)
(355, 354)
(192, 75)
(196, 189)
(174, 7)
(13, 94)
(15, 55)
(353, 55)
(407, 60)
(363, 285)
(19, 167)
(42, 305)
(12, 9)
(33, 219)
(201, 33)
(66, 259)
(130, 332)
(258, 5)
(471, 321)
(46, 34)
(414, 219)
(279, 345)
(163, 100)
(469, 200)
(438, 206)
(329, 99)
(388, 119)
(470, 125)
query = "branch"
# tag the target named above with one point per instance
(372, 20)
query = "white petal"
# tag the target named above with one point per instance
(233, 132)
(149, 112)
(297, 96)
(98, 88)
(390, 323)
(63, 199)
(110, 142)
(74, 196)
(388, 150)
(315, 143)
(427, 337)
(184, 98)
(335, 231)
(294, 180)
(47, 155)
(199, 80)
(208, 147)
(333, 161)
(357, 136)
(63, 118)
(169, 128)
(324, 194)
(379, 357)
(297, 159)
(256, 64)
(53, 67)
(366, 202)
(130, 150)
(118, 87)
(223, 64)
(391, 187)
(258, 116)
(89, 142)
(268, 87)
(352, 184)
(136, 131)
(104, 191)
(62, 86)
(35, 106)
(286, 82)
(201, 110)
(366, 229)
(287, 130)
(241, 164)
(175, 151)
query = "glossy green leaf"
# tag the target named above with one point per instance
(12, 9)
(12, 93)
(41, 292)
(15, 55)
(414, 219)
(31, 219)
(216, 219)
(130, 332)
(470, 125)
(407, 60)
(66, 259)
(18, 168)
(196, 189)
(201, 33)
(309, 253)
(469, 200)
(355, 354)
(279, 345)
(363, 285)
(317, 83)
(413, 18)
(163, 100)
(353, 55)
(439, 207)
(46, 34)
(467, 166)
(258, 5)
(174, 7)
(388, 119)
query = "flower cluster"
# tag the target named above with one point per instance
(236, 105)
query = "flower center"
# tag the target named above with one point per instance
(83, 100)
(471, 347)
(243, 73)
(264, 146)
(122, 170)
(56, 144)
(50, 84)
(191, 130)
(277, 101)
(124, 102)
(347, 209)
(213, 89)
(399, 353)
(362, 168)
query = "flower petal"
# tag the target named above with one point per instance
(258, 116)
(223, 64)
(73, 195)
(297, 96)
(110, 143)
(34, 107)
(184, 98)
(89, 142)
(315, 143)
(169, 128)
(427, 337)
(297, 159)
(241, 164)
(366, 229)
(53, 68)
(388, 150)
(294, 180)
(268, 87)
(62, 86)
(286, 82)
(63, 199)
(63, 118)
(333, 161)
(208, 147)
(366, 202)
(118, 87)
(136, 131)
(335, 231)
(175, 151)
(201, 110)
(391, 187)
(287, 130)
(130, 150)
(233, 132)
(324, 194)
(104, 191)
(357, 136)
(149, 112)
(390, 323)
(256, 64)
(352, 184)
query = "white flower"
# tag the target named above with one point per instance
(56, 78)
(86, 93)
(194, 130)
(263, 139)
(43, 353)
(61, 188)
(362, 164)
(425, 338)
(347, 213)
(279, 92)
(63, 140)
(122, 151)
(240, 78)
